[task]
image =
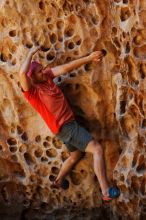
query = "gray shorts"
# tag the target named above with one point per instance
(74, 136)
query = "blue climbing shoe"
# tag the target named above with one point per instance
(114, 192)
(64, 184)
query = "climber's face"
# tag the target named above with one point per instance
(39, 76)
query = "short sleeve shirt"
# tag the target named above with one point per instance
(48, 99)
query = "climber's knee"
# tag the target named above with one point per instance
(94, 147)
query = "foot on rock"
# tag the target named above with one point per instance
(64, 184)
(113, 193)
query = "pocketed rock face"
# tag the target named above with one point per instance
(130, 171)
(107, 98)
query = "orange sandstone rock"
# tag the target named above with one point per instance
(108, 99)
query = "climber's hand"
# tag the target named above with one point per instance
(97, 55)
(33, 50)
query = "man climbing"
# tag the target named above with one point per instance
(47, 98)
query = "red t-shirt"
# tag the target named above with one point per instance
(50, 102)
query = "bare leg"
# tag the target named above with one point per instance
(67, 165)
(99, 165)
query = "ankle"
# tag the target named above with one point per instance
(105, 192)
(59, 180)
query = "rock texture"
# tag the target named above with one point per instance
(108, 99)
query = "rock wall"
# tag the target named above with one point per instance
(130, 171)
(107, 98)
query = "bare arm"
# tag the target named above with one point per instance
(63, 69)
(24, 81)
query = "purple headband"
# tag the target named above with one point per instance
(32, 67)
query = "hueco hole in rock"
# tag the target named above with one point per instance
(107, 98)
